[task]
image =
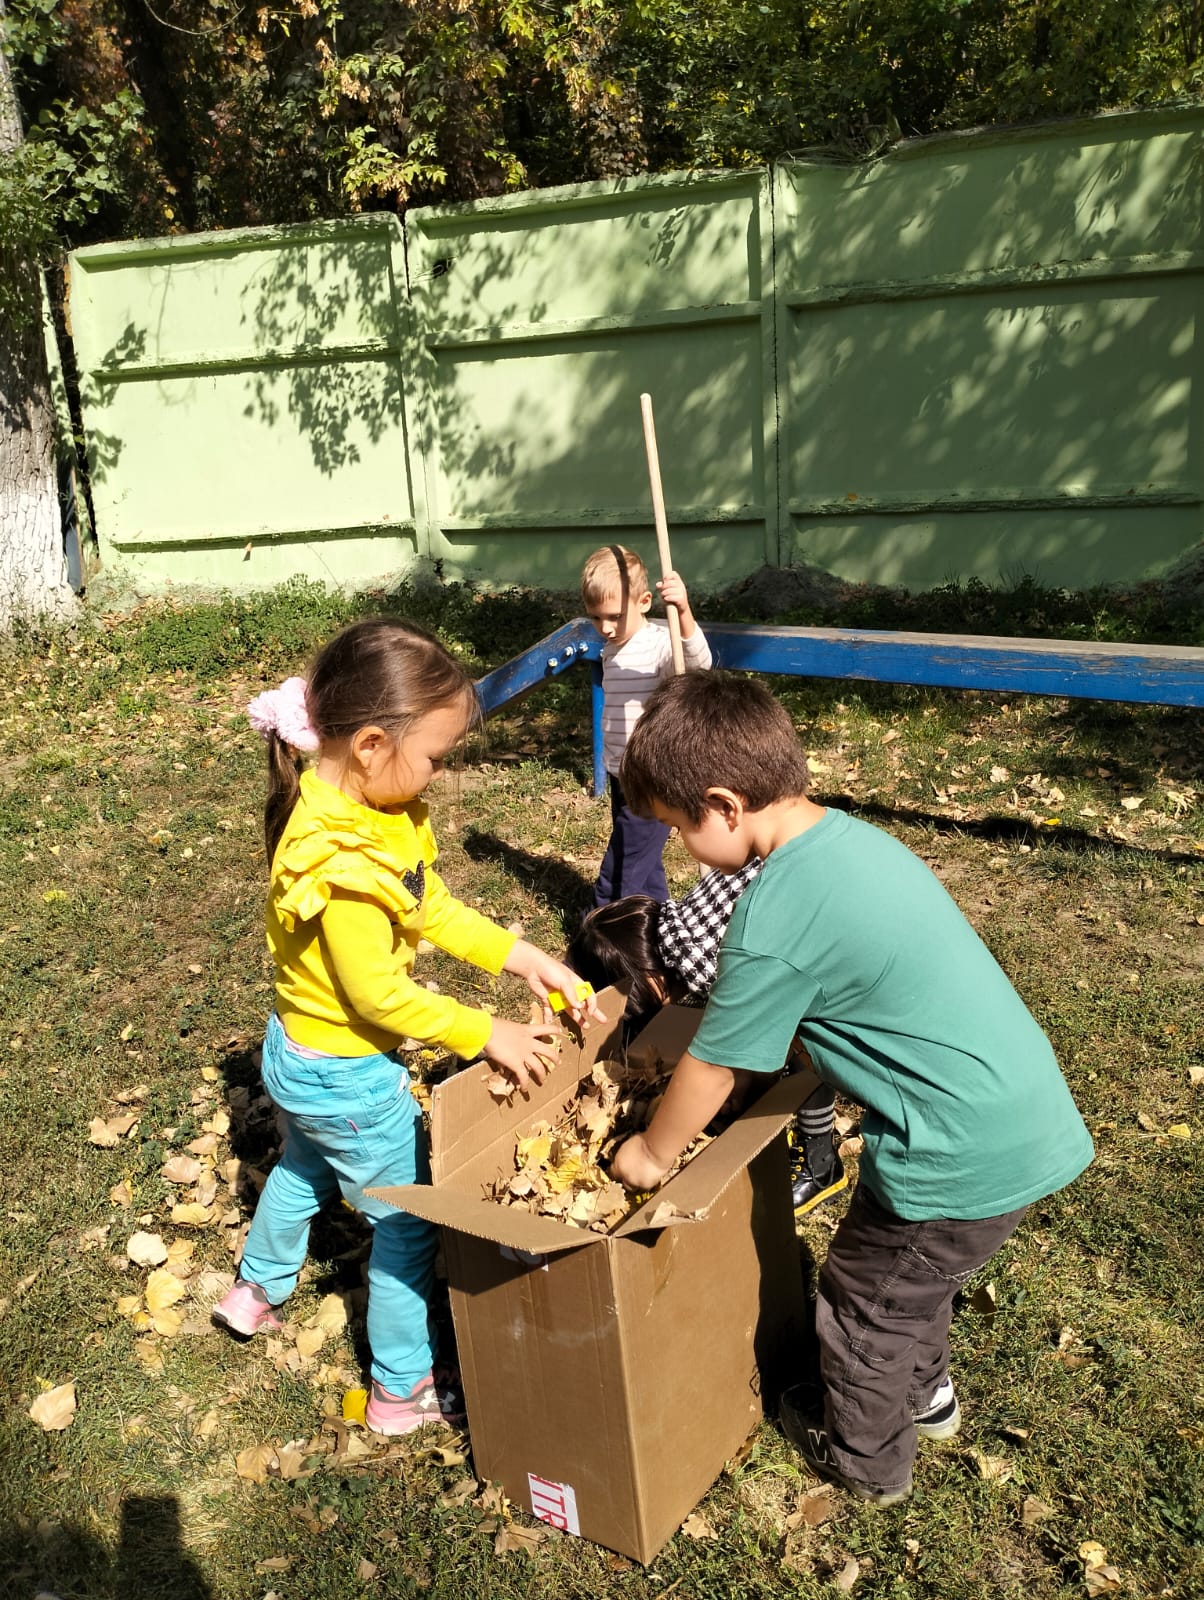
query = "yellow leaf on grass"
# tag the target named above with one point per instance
(121, 1195)
(55, 1410)
(163, 1289)
(354, 1404)
(1178, 1130)
(188, 1214)
(148, 1353)
(168, 1322)
(180, 1253)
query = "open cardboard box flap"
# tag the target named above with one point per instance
(473, 1136)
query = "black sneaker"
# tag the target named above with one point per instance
(804, 1427)
(809, 1191)
(942, 1416)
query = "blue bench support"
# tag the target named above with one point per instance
(1143, 674)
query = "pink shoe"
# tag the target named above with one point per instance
(245, 1309)
(430, 1401)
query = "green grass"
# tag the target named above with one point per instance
(132, 961)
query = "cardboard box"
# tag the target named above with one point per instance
(608, 1378)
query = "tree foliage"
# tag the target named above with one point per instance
(151, 116)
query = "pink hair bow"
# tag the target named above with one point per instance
(283, 711)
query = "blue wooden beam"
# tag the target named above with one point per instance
(577, 641)
(1143, 674)
(1169, 675)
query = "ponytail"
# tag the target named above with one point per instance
(282, 717)
(284, 789)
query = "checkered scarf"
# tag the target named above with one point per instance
(689, 931)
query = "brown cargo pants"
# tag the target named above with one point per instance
(885, 1304)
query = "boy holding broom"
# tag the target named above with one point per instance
(635, 657)
(847, 936)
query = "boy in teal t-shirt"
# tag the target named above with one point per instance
(848, 937)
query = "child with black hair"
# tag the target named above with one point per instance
(667, 953)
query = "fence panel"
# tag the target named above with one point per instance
(543, 317)
(245, 406)
(988, 355)
(976, 357)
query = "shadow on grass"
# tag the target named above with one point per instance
(1003, 830)
(561, 886)
(150, 1559)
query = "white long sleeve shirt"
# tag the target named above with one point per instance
(630, 672)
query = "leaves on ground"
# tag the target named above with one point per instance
(54, 1409)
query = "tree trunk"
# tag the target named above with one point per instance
(33, 574)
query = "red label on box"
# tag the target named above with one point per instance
(553, 1503)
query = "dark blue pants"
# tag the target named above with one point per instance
(632, 863)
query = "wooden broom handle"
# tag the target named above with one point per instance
(662, 527)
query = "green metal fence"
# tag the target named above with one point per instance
(975, 357)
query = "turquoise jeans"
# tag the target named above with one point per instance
(351, 1124)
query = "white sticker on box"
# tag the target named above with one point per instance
(554, 1503)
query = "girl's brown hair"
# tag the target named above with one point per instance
(384, 672)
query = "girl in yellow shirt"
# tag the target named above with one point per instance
(353, 889)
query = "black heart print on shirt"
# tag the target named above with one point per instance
(415, 881)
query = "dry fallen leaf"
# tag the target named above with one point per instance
(256, 1462)
(997, 1469)
(511, 1536)
(310, 1341)
(696, 1526)
(816, 1506)
(1034, 1511)
(331, 1315)
(181, 1169)
(109, 1133)
(848, 1575)
(459, 1492)
(55, 1409)
(983, 1300)
(146, 1250)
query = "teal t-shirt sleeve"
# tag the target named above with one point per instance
(753, 1011)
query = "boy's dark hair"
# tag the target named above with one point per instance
(707, 730)
(617, 944)
(385, 671)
